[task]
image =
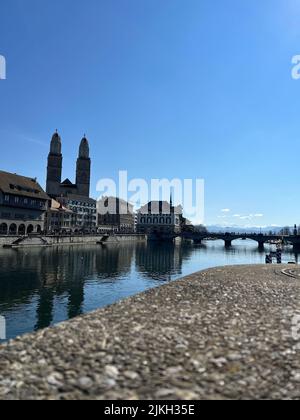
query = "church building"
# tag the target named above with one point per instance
(55, 187)
(75, 197)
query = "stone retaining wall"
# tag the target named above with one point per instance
(69, 240)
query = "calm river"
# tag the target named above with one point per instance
(41, 287)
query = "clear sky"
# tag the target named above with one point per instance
(162, 88)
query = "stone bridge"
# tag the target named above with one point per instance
(228, 238)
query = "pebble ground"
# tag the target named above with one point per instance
(226, 333)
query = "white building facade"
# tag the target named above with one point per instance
(160, 217)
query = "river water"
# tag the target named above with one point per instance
(41, 287)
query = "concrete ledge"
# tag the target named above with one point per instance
(221, 334)
(49, 240)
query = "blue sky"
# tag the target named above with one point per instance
(162, 88)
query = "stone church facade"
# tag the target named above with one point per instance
(75, 197)
(55, 187)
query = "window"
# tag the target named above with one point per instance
(6, 198)
(17, 200)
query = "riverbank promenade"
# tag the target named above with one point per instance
(226, 333)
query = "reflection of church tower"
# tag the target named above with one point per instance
(54, 169)
(83, 169)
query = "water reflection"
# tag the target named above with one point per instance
(160, 261)
(40, 287)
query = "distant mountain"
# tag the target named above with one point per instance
(242, 229)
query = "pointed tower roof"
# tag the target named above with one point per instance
(67, 183)
(84, 149)
(55, 144)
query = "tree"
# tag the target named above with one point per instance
(201, 229)
(286, 231)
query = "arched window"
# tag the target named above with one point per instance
(143, 220)
(149, 221)
(155, 221)
(162, 220)
(3, 229)
(30, 229)
(13, 229)
(22, 230)
(169, 221)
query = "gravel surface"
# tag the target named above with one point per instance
(225, 333)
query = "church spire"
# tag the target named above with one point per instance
(54, 168)
(55, 147)
(84, 149)
(83, 168)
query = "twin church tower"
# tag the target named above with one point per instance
(55, 187)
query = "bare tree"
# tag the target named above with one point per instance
(286, 231)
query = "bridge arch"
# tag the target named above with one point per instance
(246, 238)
